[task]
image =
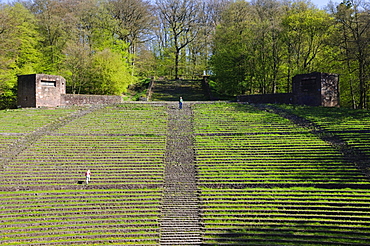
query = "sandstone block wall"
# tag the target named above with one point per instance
(80, 100)
(313, 89)
(41, 90)
(279, 98)
(316, 89)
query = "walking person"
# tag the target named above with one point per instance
(88, 174)
(180, 103)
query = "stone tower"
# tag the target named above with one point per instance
(40, 90)
(316, 89)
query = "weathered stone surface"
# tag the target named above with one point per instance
(180, 222)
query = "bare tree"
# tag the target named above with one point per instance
(182, 21)
(135, 20)
(354, 24)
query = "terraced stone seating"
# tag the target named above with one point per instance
(266, 181)
(75, 217)
(210, 174)
(274, 160)
(15, 124)
(228, 118)
(123, 119)
(352, 126)
(41, 201)
(281, 155)
(63, 160)
(98, 142)
(172, 90)
(22, 121)
(6, 140)
(294, 216)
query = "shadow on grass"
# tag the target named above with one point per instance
(292, 235)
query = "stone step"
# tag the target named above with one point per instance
(176, 230)
(181, 242)
(181, 213)
(180, 222)
(174, 203)
(179, 238)
(194, 210)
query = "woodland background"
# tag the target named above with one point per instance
(248, 47)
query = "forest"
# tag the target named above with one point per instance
(247, 47)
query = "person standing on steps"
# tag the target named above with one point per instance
(180, 103)
(88, 174)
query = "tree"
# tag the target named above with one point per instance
(182, 22)
(18, 48)
(353, 23)
(57, 24)
(135, 23)
(135, 20)
(96, 59)
(110, 74)
(306, 34)
(260, 46)
(267, 41)
(77, 67)
(231, 53)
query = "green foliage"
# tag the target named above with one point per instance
(18, 50)
(230, 60)
(111, 74)
(103, 64)
(259, 47)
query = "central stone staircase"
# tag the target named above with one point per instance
(171, 90)
(180, 222)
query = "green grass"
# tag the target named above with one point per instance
(240, 145)
(125, 146)
(121, 119)
(28, 120)
(269, 215)
(43, 216)
(352, 126)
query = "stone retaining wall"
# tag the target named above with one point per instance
(313, 89)
(279, 98)
(79, 100)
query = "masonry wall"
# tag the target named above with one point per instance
(330, 90)
(279, 98)
(316, 89)
(40, 90)
(80, 100)
(313, 89)
(49, 89)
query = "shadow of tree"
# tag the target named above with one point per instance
(294, 234)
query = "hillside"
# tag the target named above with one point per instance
(211, 174)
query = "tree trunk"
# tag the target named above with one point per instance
(177, 57)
